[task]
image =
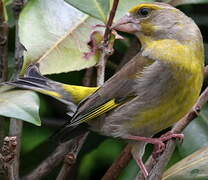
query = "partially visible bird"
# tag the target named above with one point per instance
(152, 91)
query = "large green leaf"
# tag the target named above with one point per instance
(100, 8)
(95, 8)
(56, 35)
(20, 104)
(193, 167)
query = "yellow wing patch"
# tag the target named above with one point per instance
(100, 110)
(79, 92)
(96, 112)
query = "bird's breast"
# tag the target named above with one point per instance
(168, 98)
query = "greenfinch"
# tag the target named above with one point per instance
(151, 92)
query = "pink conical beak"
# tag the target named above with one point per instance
(127, 24)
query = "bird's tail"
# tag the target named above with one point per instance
(32, 80)
(35, 81)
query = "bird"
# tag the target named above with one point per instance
(151, 92)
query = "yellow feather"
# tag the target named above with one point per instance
(100, 110)
(79, 92)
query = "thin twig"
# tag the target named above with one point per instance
(16, 125)
(15, 129)
(17, 6)
(121, 162)
(106, 50)
(88, 77)
(7, 157)
(3, 44)
(70, 158)
(3, 59)
(110, 21)
(51, 162)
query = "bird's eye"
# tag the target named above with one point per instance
(144, 12)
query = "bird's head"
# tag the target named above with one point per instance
(157, 21)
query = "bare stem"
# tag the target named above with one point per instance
(71, 157)
(106, 50)
(7, 157)
(121, 162)
(3, 44)
(88, 77)
(19, 49)
(16, 125)
(51, 162)
(110, 21)
(3, 59)
(15, 129)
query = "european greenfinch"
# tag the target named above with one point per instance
(152, 91)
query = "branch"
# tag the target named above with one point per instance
(16, 125)
(3, 59)
(121, 162)
(51, 162)
(159, 167)
(3, 44)
(88, 77)
(15, 129)
(70, 158)
(17, 6)
(7, 157)
(106, 51)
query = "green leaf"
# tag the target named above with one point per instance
(20, 104)
(193, 167)
(55, 34)
(95, 8)
(100, 9)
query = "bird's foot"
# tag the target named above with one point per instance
(158, 142)
(160, 147)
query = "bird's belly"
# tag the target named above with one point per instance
(153, 120)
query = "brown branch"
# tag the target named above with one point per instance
(17, 6)
(3, 44)
(110, 21)
(70, 158)
(3, 59)
(16, 125)
(7, 157)
(88, 77)
(106, 50)
(51, 162)
(121, 162)
(15, 129)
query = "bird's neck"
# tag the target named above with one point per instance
(173, 51)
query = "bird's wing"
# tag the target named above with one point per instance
(116, 91)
